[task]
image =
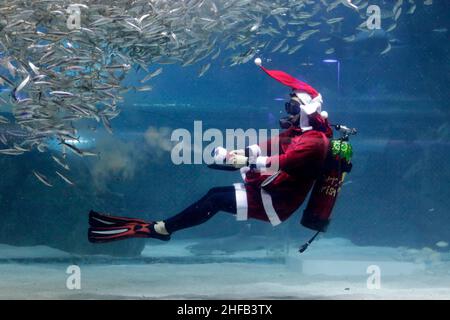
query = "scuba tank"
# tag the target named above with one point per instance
(320, 205)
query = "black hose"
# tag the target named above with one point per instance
(306, 245)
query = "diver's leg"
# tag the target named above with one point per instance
(106, 228)
(217, 199)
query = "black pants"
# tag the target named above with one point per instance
(217, 199)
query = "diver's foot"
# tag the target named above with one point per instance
(106, 228)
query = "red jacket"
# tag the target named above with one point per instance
(300, 159)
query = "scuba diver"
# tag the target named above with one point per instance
(307, 158)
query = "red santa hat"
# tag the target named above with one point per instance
(288, 80)
(309, 96)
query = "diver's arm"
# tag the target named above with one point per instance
(289, 161)
(234, 158)
(242, 158)
(292, 160)
(266, 147)
(295, 159)
(248, 157)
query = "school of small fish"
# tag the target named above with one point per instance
(57, 74)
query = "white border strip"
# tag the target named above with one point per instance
(241, 202)
(268, 207)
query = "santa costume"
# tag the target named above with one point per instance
(300, 158)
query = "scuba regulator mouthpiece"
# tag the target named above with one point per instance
(289, 121)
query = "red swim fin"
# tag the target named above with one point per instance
(97, 219)
(106, 228)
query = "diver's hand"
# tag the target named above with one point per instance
(237, 161)
(252, 152)
(220, 155)
(240, 152)
(235, 158)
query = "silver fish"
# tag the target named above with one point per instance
(387, 49)
(11, 152)
(23, 84)
(3, 119)
(152, 75)
(59, 161)
(144, 88)
(60, 77)
(42, 178)
(61, 93)
(204, 69)
(64, 178)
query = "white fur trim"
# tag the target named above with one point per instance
(303, 96)
(324, 114)
(269, 209)
(304, 120)
(261, 162)
(318, 99)
(319, 102)
(241, 202)
(254, 151)
(315, 105)
(310, 108)
(244, 171)
(220, 154)
(306, 128)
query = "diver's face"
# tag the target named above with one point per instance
(293, 110)
(293, 106)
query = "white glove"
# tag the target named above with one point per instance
(237, 160)
(220, 155)
(240, 152)
(253, 152)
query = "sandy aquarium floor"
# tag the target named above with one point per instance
(330, 269)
